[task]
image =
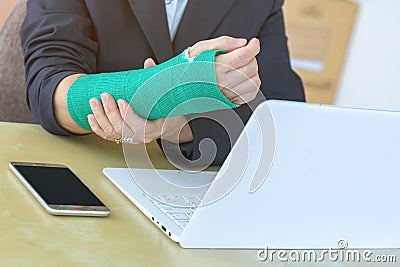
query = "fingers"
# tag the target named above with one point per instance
(221, 43)
(102, 127)
(241, 56)
(111, 122)
(96, 127)
(244, 92)
(233, 77)
(132, 121)
(248, 90)
(127, 131)
(145, 131)
(113, 115)
(237, 73)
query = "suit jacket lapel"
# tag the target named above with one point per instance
(152, 18)
(200, 19)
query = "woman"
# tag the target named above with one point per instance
(65, 40)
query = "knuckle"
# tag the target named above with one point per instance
(109, 130)
(224, 38)
(243, 57)
(118, 128)
(251, 69)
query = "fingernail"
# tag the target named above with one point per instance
(147, 61)
(241, 41)
(92, 103)
(103, 97)
(121, 104)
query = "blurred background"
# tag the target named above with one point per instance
(347, 52)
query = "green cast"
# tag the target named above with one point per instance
(179, 86)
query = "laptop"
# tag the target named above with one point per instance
(299, 176)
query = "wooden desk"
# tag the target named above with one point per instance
(31, 237)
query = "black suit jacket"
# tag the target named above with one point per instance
(64, 37)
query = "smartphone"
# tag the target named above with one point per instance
(58, 189)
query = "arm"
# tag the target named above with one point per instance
(60, 105)
(60, 47)
(53, 52)
(234, 83)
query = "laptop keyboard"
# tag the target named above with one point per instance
(180, 209)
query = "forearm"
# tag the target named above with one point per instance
(186, 135)
(176, 87)
(60, 105)
(176, 130)
(57, 42)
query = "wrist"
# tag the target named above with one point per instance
(176, 130)
(186, 134)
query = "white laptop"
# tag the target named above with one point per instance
(299, 176)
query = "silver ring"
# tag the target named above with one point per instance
(129, 140)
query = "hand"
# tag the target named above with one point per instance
(237, 73)
(226, 43)
(111, 122)
(173, 129)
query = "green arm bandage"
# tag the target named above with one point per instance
(176, 87)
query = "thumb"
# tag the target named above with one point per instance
(148, 63)
(221, 43)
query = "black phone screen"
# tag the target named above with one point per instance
(58, 186)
